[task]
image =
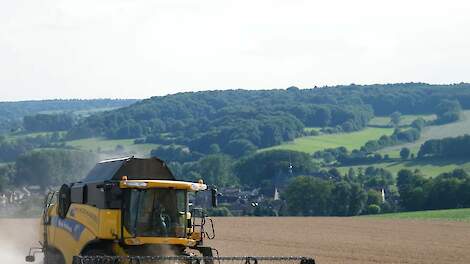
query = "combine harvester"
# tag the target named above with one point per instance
(131, 210)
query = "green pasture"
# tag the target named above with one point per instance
(450, 215)
(429, 167)
(351, 141)
(406, 120)
(455, 129)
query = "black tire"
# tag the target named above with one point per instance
(64, 201)
(96, 252)
(53, 257)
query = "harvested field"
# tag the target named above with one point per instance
(346, 240)
(329, 240)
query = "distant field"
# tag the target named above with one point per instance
(395, 151)
(84, 112)
(430, 168)
(459, 128)
(102, 144)
(405, 120)
(351, 141)
(452, 214)
(308, 129)
(14, 136)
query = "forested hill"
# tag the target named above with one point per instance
(236, 121)
(12, 113)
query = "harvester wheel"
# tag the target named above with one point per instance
(53, 257)
(96, 252)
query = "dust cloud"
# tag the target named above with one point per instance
(16, 237)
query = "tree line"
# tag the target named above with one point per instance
(12, 113)
(49, 122)
(446, 191)
(456, 147)
(46, 168)
(11, 148)
(366, 153)
(266, 118)
(305, 187)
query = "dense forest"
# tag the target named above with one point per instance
(239, 119)
(12, 113)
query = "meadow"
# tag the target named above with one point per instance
(351, 141)
(429, 167)
(378, 127)
(406, 120)
(459, 128)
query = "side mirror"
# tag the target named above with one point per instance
(214, 197)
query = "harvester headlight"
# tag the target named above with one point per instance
(198, 187)
(137, 184)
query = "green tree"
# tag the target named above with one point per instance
(240, 147)
(216, 169)
(374, 197)
(340, 199)
(274, 165)
(444, 194)
(413, 190)
(395, 118)
(308, 196)
(405, 153)
(53, 167)
(373, 209)
(214, 149)
(358, 199)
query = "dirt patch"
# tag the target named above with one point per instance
(329, 240)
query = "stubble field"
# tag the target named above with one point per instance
(329, 240)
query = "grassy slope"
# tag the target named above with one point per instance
(93, 144)
(405, 119)
(349, 140)
(435, 132)
(431, 168)
(18, 135)
(84, 112)
(451, 214)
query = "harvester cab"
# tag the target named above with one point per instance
(127, 210)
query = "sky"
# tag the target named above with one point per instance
(143, 48)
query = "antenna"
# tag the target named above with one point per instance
(290, 166)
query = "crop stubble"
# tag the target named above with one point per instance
(329, 240)
(346, 240)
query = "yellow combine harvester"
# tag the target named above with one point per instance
(130, 210)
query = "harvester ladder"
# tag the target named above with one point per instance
(46, 220)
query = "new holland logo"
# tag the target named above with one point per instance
(71, 226)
